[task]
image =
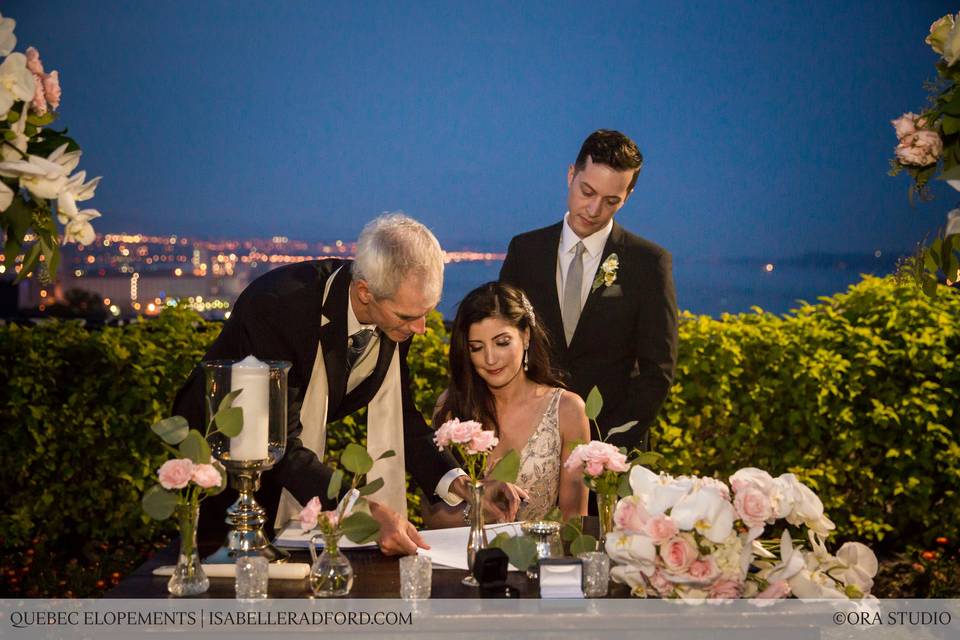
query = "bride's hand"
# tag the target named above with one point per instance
(501, 500)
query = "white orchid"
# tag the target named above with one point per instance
(707, 512)
(74, 191)
(632, 577)
(658, 492)
(43, 177)
(16, 82)
(7, 40)
(804, 506)
(632, 549)
(791, 561)
(79, 229)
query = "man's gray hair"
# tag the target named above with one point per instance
(394, 247)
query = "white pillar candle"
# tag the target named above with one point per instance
(253, 376)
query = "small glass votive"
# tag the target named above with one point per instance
(596, 573)
(415, 577)
(253, 574)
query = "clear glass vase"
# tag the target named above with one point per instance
(188, 578)
(477, 538)
(331, 574)
(606, 503)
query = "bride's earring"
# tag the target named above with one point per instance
(525, 365)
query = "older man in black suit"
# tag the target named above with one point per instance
(605, 295)
(345, 328)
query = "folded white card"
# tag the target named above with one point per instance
(285, 571)
(448, 547)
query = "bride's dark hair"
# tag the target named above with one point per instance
(468, 396)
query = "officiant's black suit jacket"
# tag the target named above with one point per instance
(626, 339)
(277, 317)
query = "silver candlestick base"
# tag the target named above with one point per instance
(245, 517)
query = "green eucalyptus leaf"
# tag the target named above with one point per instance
(647, 459)
(623, 488)
(355, 459)
(41, 121)
(521, 550)
(159, 503)
(594, 403)
(371, 487)
(336, 481)
(227, 401)
(172, 430)
(360, 527)
(583, 544)
(389, 453)
(626, 426)
(507, 467)
(571, 529)
(229, 421)
(195, 448)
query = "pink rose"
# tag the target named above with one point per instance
(630, 515)
(595, 457)
(920, 149)
(678, 553)
(703, 569)
(482, 441)
(726, 589)
(175, 474)
(51, 89)
(775, 591)
(753, 507)
(661, 528)
(310, 513)
(206, 476)
(33, 61)
(905, 125)
(454, 431)
(661, 584)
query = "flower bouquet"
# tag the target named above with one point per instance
(690, 537)
(37, 163)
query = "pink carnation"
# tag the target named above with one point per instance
(206, 476)
(310, 513)
(595, 457)
(775, 591)
(33, 61)
(726, 589)
(39, 101)
(920, 149)
(175, 474)
(661, 528)
(51, 89)
(482, 442)
(456, 432)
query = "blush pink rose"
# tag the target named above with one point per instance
(920, 149)
(753, 506)
(595, 457)
(661, 584)
(726, 589)
(775, 591)
(482, 441)
(310, 513)
(703, 569)
(456, 432)
(630, 515)
(175, 474)
(661, 528)
(206, 476)
(678, 553)
(51, 89)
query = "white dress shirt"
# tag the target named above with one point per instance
(593, 250)
(353, 326)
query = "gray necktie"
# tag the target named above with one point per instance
(356, 345)
(572, 286)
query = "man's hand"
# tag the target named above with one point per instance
(501, 500)
(397, 536)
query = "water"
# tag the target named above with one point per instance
(712, 287)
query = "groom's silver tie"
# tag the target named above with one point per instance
(572, 287)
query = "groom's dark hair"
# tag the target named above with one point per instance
(613, 149)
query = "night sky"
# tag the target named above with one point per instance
(765, 126)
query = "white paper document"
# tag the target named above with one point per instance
(293, 537)
(448, 547)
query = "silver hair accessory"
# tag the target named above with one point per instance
(528, 310)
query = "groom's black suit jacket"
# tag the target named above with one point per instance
(626, 339)
(277, 317)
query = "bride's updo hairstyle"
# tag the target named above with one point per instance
(468, 396)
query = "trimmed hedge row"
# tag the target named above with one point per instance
(857, 395)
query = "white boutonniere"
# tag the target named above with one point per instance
(607, 273)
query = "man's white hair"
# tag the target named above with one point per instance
(394, 247)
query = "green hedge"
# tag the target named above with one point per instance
(857, 395)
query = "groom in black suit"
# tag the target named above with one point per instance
(605, 295)
(343, 321)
